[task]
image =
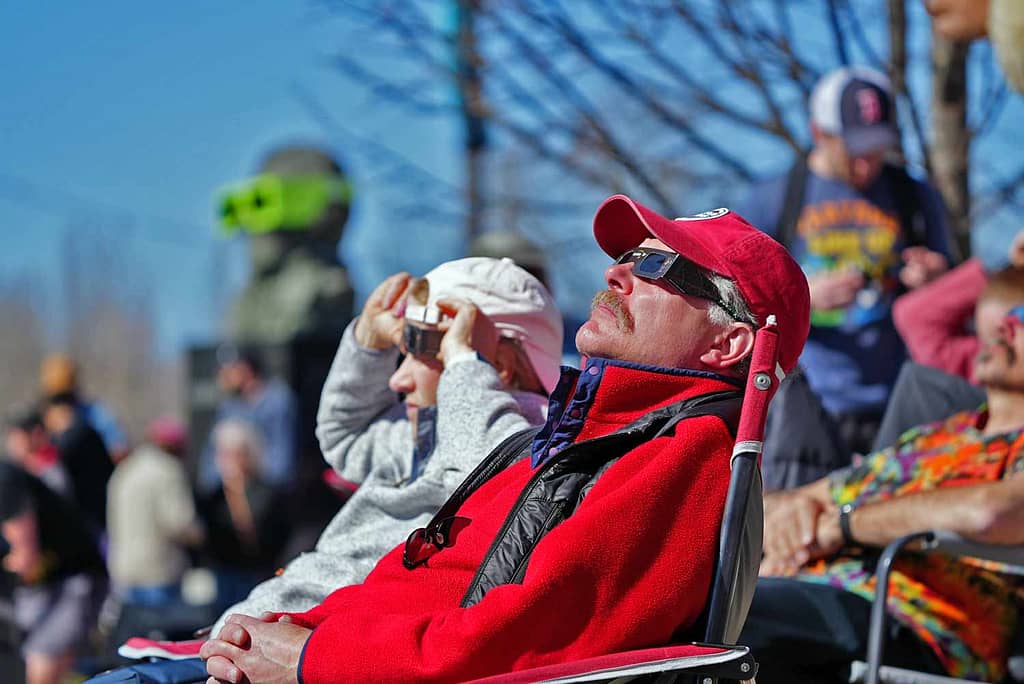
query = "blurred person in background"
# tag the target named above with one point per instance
(152, 519)
(82, 455)
(1001, 20)
(29, 445)
(864, 232)
(246, 525)
(265, 403)
(409, 436)
(944, 322)
(61, 577)
(59, 375)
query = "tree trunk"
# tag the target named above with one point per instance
(898, 54)
(470, 91)
(951, 143)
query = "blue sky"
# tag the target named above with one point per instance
(118, 120)
(121, 112)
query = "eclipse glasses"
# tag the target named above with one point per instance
(683, 275)
(270, 202)
(421, 336)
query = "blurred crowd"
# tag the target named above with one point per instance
(910, 382)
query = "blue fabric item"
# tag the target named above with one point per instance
(426, 439)
(852, 355)
(991, 241)
(103, 421)
(188, 671)
(573, 396)
(275, 413)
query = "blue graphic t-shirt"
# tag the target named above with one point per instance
(853, 353)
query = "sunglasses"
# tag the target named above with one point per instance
(421, 341)
(683, 275)
(271, 202)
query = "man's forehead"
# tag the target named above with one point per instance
(656, 244)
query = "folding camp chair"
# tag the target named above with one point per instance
(873, 672)
(718, 659)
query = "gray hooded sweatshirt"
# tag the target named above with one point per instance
(366, 437)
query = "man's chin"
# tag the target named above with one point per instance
(591, 340)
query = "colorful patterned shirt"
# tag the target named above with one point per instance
(965, 611)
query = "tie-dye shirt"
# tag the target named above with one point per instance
(965, 611)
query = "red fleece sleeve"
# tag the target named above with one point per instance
(933, 320)
(632, 565)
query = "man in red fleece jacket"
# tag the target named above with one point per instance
(623, 562)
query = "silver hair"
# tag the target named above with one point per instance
(232, 433)
(730, 294)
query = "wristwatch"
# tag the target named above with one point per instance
(844, 524)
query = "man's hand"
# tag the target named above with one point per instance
(253, 650)
(834, 289)
(380, 324)
(790, 529)
(921, 265)
(960, 20)
(469, 330)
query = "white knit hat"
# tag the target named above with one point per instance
(518, 304)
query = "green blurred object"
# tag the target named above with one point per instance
(271, 202)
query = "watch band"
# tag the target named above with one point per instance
(844, 524)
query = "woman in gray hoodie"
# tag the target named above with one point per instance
(497, 360)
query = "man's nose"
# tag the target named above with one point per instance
(620, 277)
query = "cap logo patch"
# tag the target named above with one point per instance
(869, 105)
(705, 215)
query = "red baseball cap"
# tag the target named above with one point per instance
(723, 242)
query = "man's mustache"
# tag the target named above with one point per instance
(614, 301)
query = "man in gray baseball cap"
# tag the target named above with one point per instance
(864, 231)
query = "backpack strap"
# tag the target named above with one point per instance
(793, 202)
(507, 452)
(908, 205)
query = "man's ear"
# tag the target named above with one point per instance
(729, 347)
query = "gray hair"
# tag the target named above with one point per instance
(730, 294)
(235, 434)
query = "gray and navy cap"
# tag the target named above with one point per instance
(856, 104)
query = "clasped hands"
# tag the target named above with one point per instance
(249, 650)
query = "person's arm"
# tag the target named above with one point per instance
(933, 319)
(475, 408)
(25, 558)
(475, 412)
(631, 566)
(791, 522)
(360, 418)
(991, 512)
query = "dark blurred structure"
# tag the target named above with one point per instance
(294, 214)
